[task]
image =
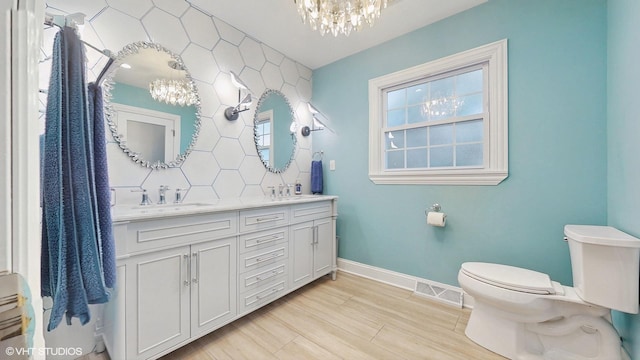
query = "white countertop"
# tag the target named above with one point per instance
(130, 212)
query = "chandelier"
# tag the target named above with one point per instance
(339, 16)
(173, 92)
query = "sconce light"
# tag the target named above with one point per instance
(231, 113)
(317, 123)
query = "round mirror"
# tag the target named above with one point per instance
(275, 139)
(152, 105)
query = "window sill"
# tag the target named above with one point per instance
(440, 178)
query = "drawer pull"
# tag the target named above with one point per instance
(270, 257)
(269, 276)
(268, 218)
(273, 238)
(273, 291)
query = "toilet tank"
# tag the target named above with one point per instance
(604, 261)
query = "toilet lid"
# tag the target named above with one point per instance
(510, 277)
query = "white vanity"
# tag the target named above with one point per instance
(186, 270)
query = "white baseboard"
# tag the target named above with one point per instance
(393, 278)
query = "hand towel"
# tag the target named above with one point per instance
(316, 176)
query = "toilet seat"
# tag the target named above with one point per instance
(510, 277)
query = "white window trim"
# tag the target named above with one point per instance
(496, 169)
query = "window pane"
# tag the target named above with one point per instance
(441, 108)
(442, 88)
(395, 159)
(417, 158)
(266, 140)
(469, 155)
(266, 127)
(416, 114)
(469, 131)
(470, 105)
(470, 82)
(265, 154)
(396, 99)
(417, 137)
(395, 117)
(441, 134)
(441, 156)
(416, 94)
(394, 139)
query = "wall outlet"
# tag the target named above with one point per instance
(332, 165)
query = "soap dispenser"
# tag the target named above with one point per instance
(298, 189)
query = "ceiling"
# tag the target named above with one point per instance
(277, 24)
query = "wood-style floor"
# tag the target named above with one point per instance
(350, 318)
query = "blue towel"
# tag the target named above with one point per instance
(103, 190)
(72, 256)
(316, 177)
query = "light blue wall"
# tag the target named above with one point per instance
(557, 145)
(135, 96)
(624, 137)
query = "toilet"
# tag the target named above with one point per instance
(523, 314)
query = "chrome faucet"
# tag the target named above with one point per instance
(178, 199)
(145, 196)
(163, 192)
(280, 189)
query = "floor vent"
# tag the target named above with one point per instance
(439, 292)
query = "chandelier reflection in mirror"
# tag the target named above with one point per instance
(339, 16)
(171, 91)
(440, 107)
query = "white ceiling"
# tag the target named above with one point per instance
(277, 24)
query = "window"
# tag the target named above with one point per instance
(264, 135)
(443, 122)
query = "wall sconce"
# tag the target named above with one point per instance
(231, 113)
(317, 123)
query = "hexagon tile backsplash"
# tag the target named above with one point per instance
(224, 162)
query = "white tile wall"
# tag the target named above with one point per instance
(224, 162)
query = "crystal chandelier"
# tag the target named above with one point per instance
(339, 16)
(173, 92)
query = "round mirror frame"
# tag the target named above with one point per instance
(264, 96)
(108, 85)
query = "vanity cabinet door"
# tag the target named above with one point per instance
(157, 302)
(323, 248)
(311, 250)
(214, 281)
(301, 253)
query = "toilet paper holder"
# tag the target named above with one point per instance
(435, 207)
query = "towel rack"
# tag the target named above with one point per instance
(73, 20)
(319, 153)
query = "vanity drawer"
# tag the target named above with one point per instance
(259, 219)
(257, 259)
(263, 276)
(310, 211)
(153, 234)
(264, 239)
(262, 296)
